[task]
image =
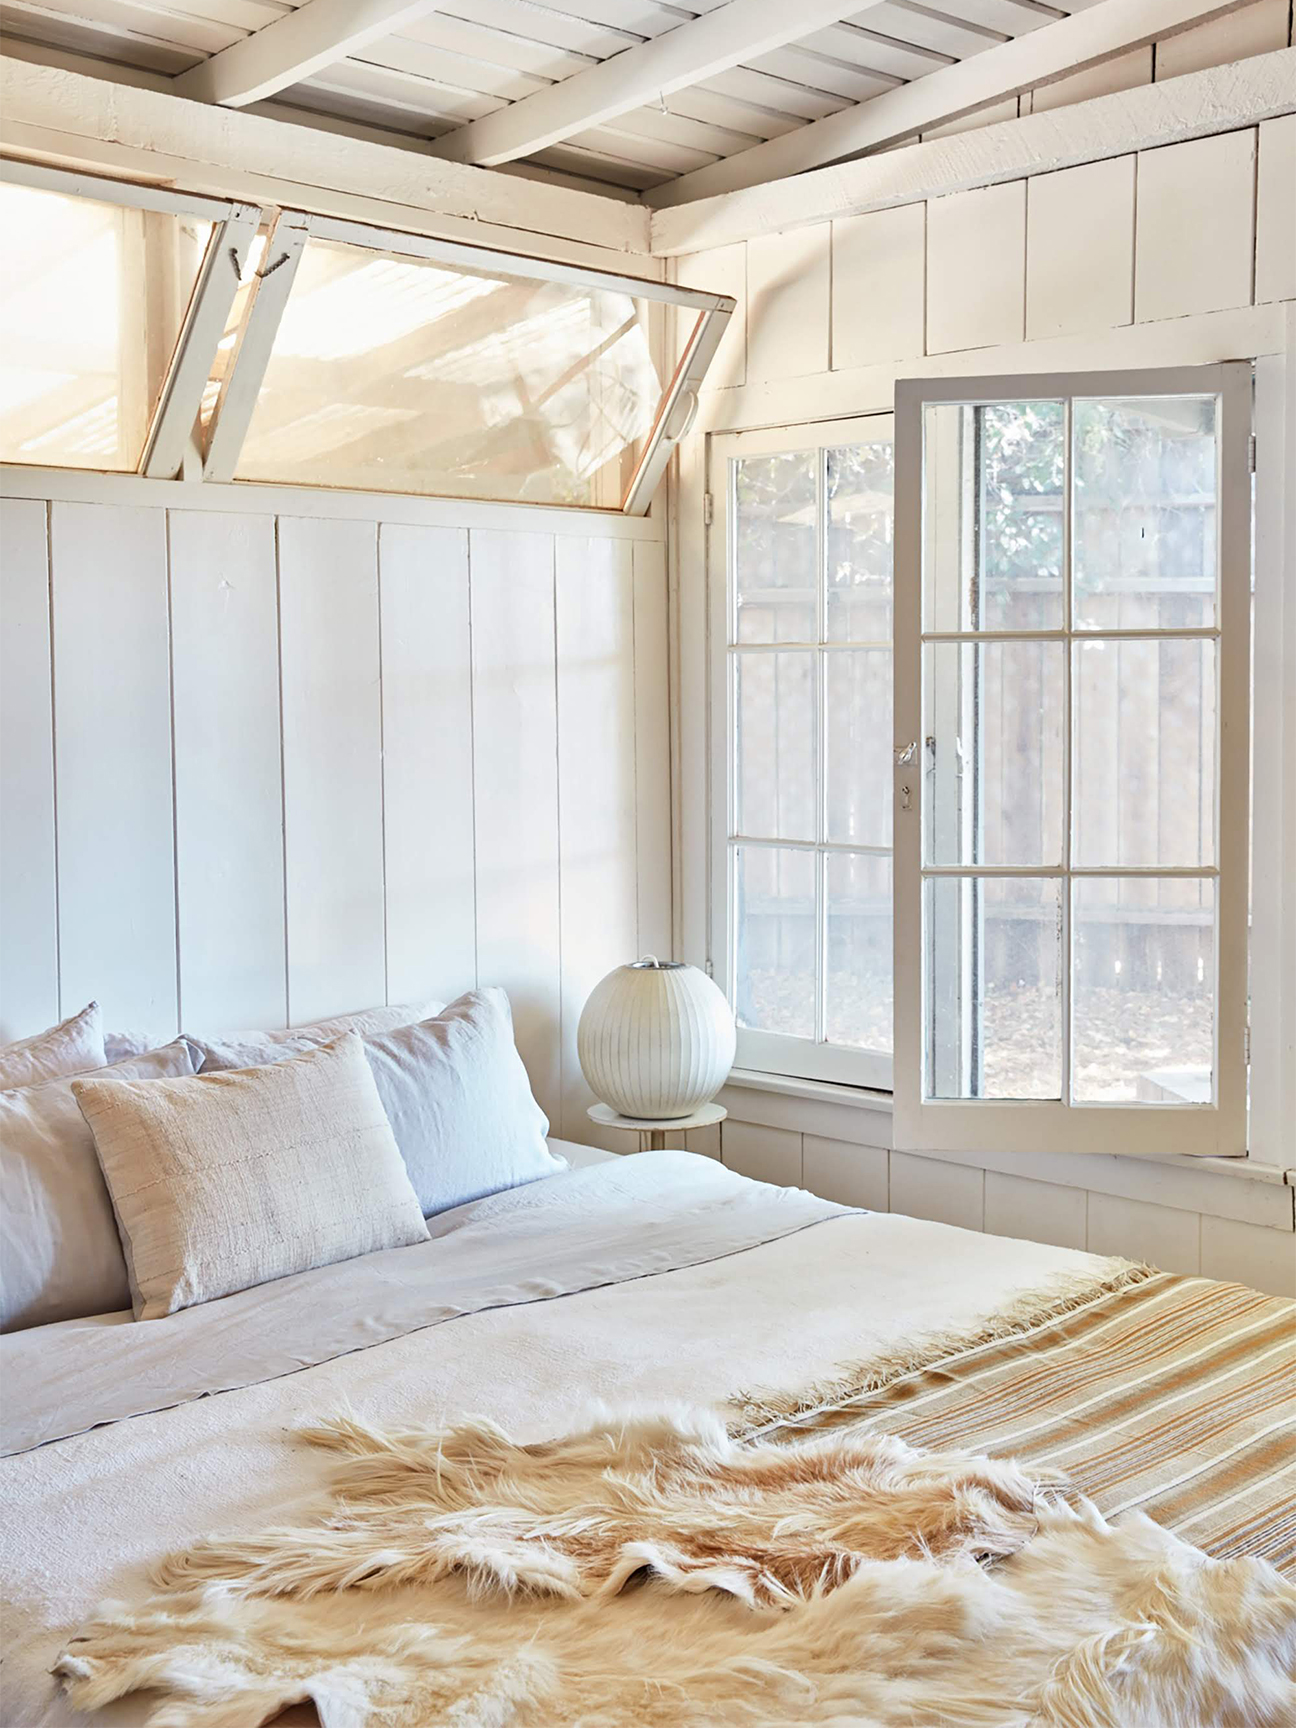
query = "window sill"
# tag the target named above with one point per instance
(786, 1086)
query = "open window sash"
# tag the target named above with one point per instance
(1072, 603)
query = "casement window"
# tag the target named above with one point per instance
(161, 331)
(801, 802)
(1054, 737)
(1071, 761)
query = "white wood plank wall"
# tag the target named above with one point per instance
(1175, 256)
(1221, 1226)
(258, 769)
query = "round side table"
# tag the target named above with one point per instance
(652, 1135)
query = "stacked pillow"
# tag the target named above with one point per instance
(285, 1150)
(59, 1254)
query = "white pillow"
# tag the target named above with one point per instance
(74, 1046)
(251, 1049)
(60, 1255)
(460, 1103)
(228, 1180)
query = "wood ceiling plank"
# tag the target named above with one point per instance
(688, 54)
(1198, 105)
(1060, 48)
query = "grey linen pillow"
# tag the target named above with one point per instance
(228, 1180)
(72, 1047)
(460, 1103)
(60, 1256)
(249, 1049)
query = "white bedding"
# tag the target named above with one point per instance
(781, 1301)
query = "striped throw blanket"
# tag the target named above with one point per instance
(1170, 1394)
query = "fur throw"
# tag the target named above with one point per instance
(465, 1579)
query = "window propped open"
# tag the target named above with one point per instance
(1071, 809)
(286, 348)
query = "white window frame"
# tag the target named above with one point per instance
(171, 443)
(963, 1125)
(767, 1052)
(170, 436)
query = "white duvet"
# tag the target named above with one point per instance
(639, 1280)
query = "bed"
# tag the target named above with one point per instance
(656, 1280)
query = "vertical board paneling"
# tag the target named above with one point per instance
(515, 785)
(228, 787)
(29, 993)
(945, 1193)
(1080, 249)
(976, 268)
(788, 295)
(1275, 261)
(112, 720)
(652, 746)
(764, 1154)
(332, 763)
(879, 274)
(427, 762)
(595, 629)
(1195, 231)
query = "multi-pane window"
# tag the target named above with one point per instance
(1071, 760)
(807, 840)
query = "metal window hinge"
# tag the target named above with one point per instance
(1246, 1044)
(710, 968)
(1251, 452)
(708, 509)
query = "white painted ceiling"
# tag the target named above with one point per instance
(470, 58)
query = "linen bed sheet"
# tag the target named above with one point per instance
(660, 1301)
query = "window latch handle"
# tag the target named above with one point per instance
(906, 754)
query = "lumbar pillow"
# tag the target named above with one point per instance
(60, 1256)
(228, 1180)
(72, 1047)
(249, 1049)
(460, 1104)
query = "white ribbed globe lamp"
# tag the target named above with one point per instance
(656, 1039)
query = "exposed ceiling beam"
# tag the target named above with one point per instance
(145, 134)
(294, 47)
(1195, 105)
(1065, 46)
(689, 54)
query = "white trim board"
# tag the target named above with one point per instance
(247, 499)
(1220, 99)
(224, 152)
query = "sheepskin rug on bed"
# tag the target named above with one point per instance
(655, 1571)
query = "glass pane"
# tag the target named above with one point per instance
(394, 373)
(774, 971)
(992, 756)
(776, 569)
(857, 995)
(775, 735)
(993, 484)
(993, 952)
(1145, 753)
(861, 501)
(91, 302)
(1145, 521)
(858, 745)
(1144, 997)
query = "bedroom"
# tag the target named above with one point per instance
(494, 492)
